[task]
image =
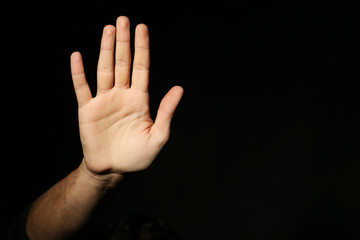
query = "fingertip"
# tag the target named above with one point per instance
(179, 89)
(176, 92)
(76, 56)
(76, 63)
(142, 28)
(109, 29)
(122, 21)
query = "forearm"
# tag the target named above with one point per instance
(65, 208)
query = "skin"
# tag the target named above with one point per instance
(116, 131)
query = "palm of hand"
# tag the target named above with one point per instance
(116, 129)
(118, 136)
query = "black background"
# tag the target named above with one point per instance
(264, 145)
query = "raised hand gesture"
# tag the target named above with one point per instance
(116, 129)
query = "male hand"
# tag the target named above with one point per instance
(116, 129)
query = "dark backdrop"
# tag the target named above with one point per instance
(264, 145)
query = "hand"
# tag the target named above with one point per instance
(116, 130)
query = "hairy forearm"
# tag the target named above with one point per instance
(65, 208)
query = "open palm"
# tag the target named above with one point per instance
(116, 129)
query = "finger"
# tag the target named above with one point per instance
(141, 66)
(82, 90)
(123, 52)
(105, 73)
(166, 112)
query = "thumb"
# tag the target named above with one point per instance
(166, 112)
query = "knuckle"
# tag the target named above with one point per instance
(122, 63)
(105, 69)
(141, 67)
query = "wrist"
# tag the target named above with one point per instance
(105, 181)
